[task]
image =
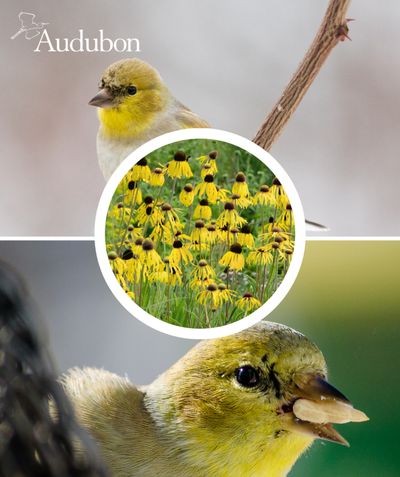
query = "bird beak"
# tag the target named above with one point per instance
(317, 405)
(103, 99)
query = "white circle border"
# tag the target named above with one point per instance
(136, 310)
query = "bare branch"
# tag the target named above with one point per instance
(332, 30)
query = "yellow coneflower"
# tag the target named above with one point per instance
(199, 247)
(202, 211)
(179, 235)
(234, 258)
(240, 185)
(226, 294)
(141, 171)
(187, 195)
(279, 248)
(248, 302)
(206, 169)
(157, 177)
(264, 196)
(149, 255)
(118, 267)
(133, 194)
(202, 270)
(213, 236)
(120, 212)
(208, 187)
(273, 233)
(279, 193)
(211, 294)
(116, 263)
(224, 235)
(167, 273)
(172, 218)
(161, 230)
(180, 252)
(212, 158)
(245, 237)
(130, 294)
(289, 255)
(201, 283)
(230, 216)
(134, 232)
(199, 232)
(240, 201)
(234, 231)
(179, 166)
(141, 213)
(160, 274)
(133, 266)
(286, 219)
(260, 256)
(222, 194)
(137, 245)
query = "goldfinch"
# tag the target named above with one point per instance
(135, 106)
(244, 405)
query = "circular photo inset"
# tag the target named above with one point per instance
(200, 233)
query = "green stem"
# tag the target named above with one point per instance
(130, 215)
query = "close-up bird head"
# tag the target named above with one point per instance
(251, 401)
(131, 91)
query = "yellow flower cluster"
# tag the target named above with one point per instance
(206, 250)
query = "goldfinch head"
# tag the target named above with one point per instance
(131, 92)
(251, 401)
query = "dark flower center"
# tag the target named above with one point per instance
(142, 162)
(147, 245)
(236, 248)
(165, 207)
(240, 177)
(180, 156)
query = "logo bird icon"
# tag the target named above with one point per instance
(29, 27)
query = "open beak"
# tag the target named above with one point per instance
(103, 99)
(317, 405)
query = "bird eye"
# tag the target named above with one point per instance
(247, 376)
(132, 90)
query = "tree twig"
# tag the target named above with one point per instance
(333, 29)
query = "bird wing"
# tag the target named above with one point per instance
(31, 34)
(26, 19)
(190, 119)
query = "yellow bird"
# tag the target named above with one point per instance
(135, 106)
(245, 405)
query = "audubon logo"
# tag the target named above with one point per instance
(78, 44)
(28, 26)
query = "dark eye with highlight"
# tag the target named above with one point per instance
(131, 90)
(247, 376)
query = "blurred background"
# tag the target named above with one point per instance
(227, 61)
(345, 299)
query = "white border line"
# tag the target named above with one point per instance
(88, 238)
(106, 198)
(351, 239)
(50, 238)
